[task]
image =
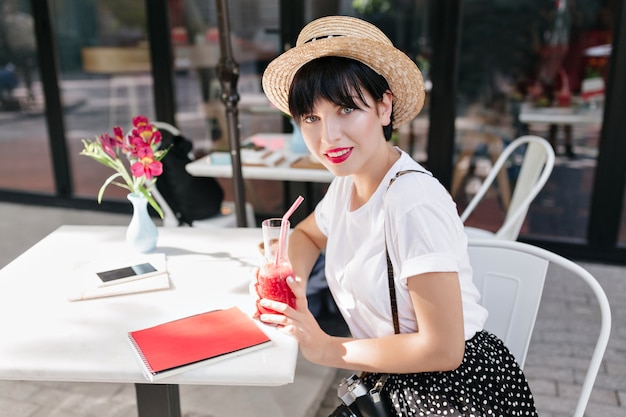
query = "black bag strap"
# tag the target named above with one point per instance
(392, 287)
(375, 392)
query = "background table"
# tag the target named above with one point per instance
(560, 115)
(565, 117)
(282, 171)
(47, 338)
(307, 179)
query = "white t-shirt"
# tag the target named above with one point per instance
(424, 234)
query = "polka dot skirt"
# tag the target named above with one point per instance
(487, 383)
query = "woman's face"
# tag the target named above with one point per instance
(347, 140)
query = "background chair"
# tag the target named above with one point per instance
(225, 215)
(510, 277)
(537, 165)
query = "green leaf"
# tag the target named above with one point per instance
(105, 185)
(144, 191)
(155, 206)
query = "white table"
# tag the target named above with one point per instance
(283, 171)
(560, 115)
(566, 117)
(45, 337)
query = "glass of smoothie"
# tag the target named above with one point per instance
(272, 278)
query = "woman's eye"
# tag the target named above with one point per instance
(309, 119)
(346, 110)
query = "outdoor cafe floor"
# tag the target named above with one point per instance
(554, 373)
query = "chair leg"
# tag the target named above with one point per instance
(460, 171)
(504, 186)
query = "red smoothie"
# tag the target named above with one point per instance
(272, 284)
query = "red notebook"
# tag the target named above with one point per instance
(179, 345)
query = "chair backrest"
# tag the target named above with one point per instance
(169, 217)
(510, 283)
(167, 127)
(510, 276)
(534, 172)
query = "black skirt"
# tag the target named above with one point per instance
(488, 382)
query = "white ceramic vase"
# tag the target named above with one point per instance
(142, 233)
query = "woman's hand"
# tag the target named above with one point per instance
(298, 322)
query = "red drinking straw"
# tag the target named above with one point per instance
(284, 228)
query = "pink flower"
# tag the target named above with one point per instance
(109, 145)
(146, 165)
(155, 139)
(119, 134)
(136, 145)
(147, 134)
(135, 157)
(140, 120)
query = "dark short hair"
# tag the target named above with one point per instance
(335, 79)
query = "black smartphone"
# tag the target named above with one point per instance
(127, 273)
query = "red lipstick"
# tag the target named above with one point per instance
(338, 155)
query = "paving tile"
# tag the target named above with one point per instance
(330, 401)
(93, 388)
(613, 382)
(551, 404)
(17, 390)
(553, 360)
(16, 408)
(598, 395)
(543, 387)
(52, 395)
(301, 398)
(604, 410)
(549, 373)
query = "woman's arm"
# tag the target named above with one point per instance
(438, 345)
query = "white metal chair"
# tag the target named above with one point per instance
(510, 276)
(534, 173)
(227, 216)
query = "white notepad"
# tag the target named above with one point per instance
(86, 284)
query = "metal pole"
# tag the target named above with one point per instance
(228, 71)
(158, 400)
(162, 60)
(446, 40)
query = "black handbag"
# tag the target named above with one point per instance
(357, 399)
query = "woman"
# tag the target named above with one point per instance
(347, 87)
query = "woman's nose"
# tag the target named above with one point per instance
(331, 131)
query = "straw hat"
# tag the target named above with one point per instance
(354, 38)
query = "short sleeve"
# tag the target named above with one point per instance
(426, 234)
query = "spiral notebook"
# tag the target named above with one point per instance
(187, 343)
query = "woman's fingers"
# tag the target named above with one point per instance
(282, 315)
(299, 290)
(285, 314)
(274, 305)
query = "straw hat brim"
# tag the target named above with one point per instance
(403, 76)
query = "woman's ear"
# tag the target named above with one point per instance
(385, 107)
